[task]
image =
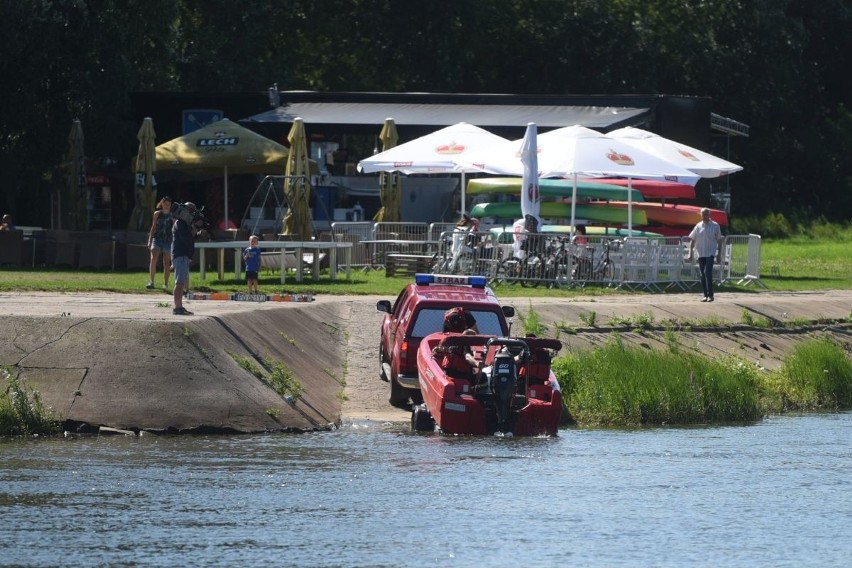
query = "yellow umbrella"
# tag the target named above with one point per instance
(222, 146)
(77, 178)
(297, 188)
(390, 184)
(146, 185)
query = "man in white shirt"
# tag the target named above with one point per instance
(706, 236)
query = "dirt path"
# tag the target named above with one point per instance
(367, 394)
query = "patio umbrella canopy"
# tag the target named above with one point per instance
(576, 150)
(434, 153)
(222, 146)
(297, 189)
(390, 186)
(146, 186)
(689, 158)
(76, 178)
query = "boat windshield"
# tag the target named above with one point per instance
(431, 320)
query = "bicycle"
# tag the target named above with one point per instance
(597, 268)
(528, 268)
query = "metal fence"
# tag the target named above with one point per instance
(551, 259)
(655, 263)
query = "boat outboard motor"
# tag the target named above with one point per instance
(503, 379)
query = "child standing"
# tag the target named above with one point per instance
(252, 257)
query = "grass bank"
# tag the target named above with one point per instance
(615, 385)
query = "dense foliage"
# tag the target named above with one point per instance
(780, 66)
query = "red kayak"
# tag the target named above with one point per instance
(512, 393)
(672, 214)
(653, 189)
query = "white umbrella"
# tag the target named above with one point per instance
(434, 153)
(701, 163)
(576, 150)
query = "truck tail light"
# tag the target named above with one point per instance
(403, 350)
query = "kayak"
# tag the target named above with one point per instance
(504, 235)
(673, 214)
(651, 188)
(601, 231)
(591, 212)
(553, 188)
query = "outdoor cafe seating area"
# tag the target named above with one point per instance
(550, 259)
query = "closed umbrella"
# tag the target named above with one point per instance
(76, 178)
(146, 185)
(530, 195)
(390, 186)
(297, 220)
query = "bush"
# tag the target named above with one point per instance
(21, 409)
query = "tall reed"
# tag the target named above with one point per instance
(21, 409)
(817, 375)
(620, 386)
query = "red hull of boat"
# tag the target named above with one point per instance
(673, 214)
(457, 409)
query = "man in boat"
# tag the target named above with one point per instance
(459, 320)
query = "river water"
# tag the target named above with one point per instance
(777, 493)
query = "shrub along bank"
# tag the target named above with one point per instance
(616, 385)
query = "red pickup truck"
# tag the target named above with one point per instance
(418, 311)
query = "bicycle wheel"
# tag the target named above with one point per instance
(532, 272)
(508, 271)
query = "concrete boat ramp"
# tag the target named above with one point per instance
(123, 361)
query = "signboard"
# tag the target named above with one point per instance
(193, 119)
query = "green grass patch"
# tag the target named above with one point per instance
(615, 385)
(619, 386)
(816, 376)
(794, 256)
(277, 375)
(22, 410)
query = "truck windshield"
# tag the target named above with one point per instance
(431, 320)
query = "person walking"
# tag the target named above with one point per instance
(160, 242)
(706, 236)
(183, 249)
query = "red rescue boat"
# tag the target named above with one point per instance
(511, 392)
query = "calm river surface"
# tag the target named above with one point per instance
(778, 493)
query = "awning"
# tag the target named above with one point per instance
(482, 115)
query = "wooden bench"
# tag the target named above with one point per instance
(408, 264)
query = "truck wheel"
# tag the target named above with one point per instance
(421, 419)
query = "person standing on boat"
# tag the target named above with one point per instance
(706, 236)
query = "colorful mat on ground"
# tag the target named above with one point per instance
(245, 297)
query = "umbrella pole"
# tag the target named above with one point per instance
(629, 205)
(573, 205)
(463, 210)
(226, 225)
